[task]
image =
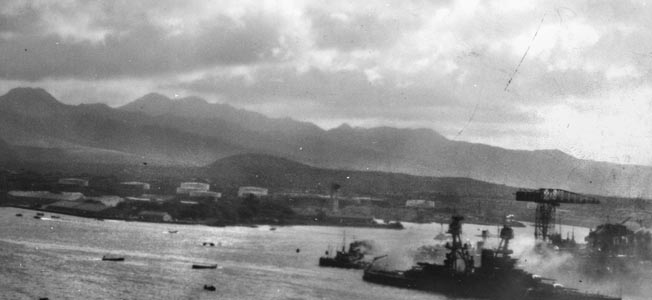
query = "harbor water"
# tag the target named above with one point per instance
(61, 259)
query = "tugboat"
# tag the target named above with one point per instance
(112, 258)
(204, 266)
(351, 259)
(497, 278)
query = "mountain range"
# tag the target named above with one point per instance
(157, 130)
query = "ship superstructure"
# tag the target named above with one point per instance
(496, 278)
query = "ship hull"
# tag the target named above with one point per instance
(476, 286)
(331, 262)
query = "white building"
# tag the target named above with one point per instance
(418, 203)
(135, 185)
(187, 187)
(245, 191)
(186, 202)
(139, 199)
(132, 188)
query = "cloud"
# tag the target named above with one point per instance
(143, 48)
(346, 31)
(437, 64)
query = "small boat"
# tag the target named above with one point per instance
(37, 217)
(19, 215)
(272, 228)
(112, 258)
(54, 217)
(40, 214)
(173, 231)
(209, 287)
(208, 244)
(204, 266)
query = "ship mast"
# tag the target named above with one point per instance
(458, 259)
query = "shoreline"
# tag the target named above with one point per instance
(302, 221)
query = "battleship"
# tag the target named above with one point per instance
(496, 278)
(614, 250)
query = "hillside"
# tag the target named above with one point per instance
(49, 130)
(412, 151)
(193, 132)
(7, 152)
(283, 174)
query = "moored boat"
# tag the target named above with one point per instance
(112, 258)
(204, 266)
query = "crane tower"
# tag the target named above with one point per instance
(547, 201)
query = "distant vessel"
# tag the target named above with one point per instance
(351, 259)
(497, 278)
(441, 236)
(173, 231)
(19, 215)
(204, 266)
(112, 258)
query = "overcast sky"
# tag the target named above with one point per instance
(584, 86)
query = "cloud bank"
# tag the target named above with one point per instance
(584, 86)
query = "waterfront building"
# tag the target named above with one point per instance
(132, 188)
(419, 203)
(245, 191)
(188, 187)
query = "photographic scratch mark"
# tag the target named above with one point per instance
(469, 121)
(524, 54)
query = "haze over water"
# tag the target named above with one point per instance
(61, 259)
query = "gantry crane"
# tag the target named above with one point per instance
(547, 201)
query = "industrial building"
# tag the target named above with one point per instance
(419, 203)
(188, 187)
(132, 188)
(138, 199)
(245, 191)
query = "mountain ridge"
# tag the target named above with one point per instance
(192, 131)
